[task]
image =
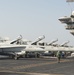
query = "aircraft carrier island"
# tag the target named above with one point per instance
(69, 20)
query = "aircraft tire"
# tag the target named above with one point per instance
(16, 57)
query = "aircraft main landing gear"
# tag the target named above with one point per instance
(16, 57)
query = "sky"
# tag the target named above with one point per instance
(34, 18)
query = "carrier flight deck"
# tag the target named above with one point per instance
(36, 66)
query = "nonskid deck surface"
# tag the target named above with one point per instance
(36, 66)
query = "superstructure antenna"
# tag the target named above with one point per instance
(70, 1)
(70, 7)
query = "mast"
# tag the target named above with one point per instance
(69, 0)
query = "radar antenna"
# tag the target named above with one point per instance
(69, 3)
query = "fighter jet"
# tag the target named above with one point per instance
(17, 48)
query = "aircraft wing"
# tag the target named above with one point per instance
(65, 43)
(17, 40)
(37, 40)
(52, 42)
(12, 50)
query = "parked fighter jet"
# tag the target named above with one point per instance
(18, 48)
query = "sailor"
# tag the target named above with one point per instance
(58, 56)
